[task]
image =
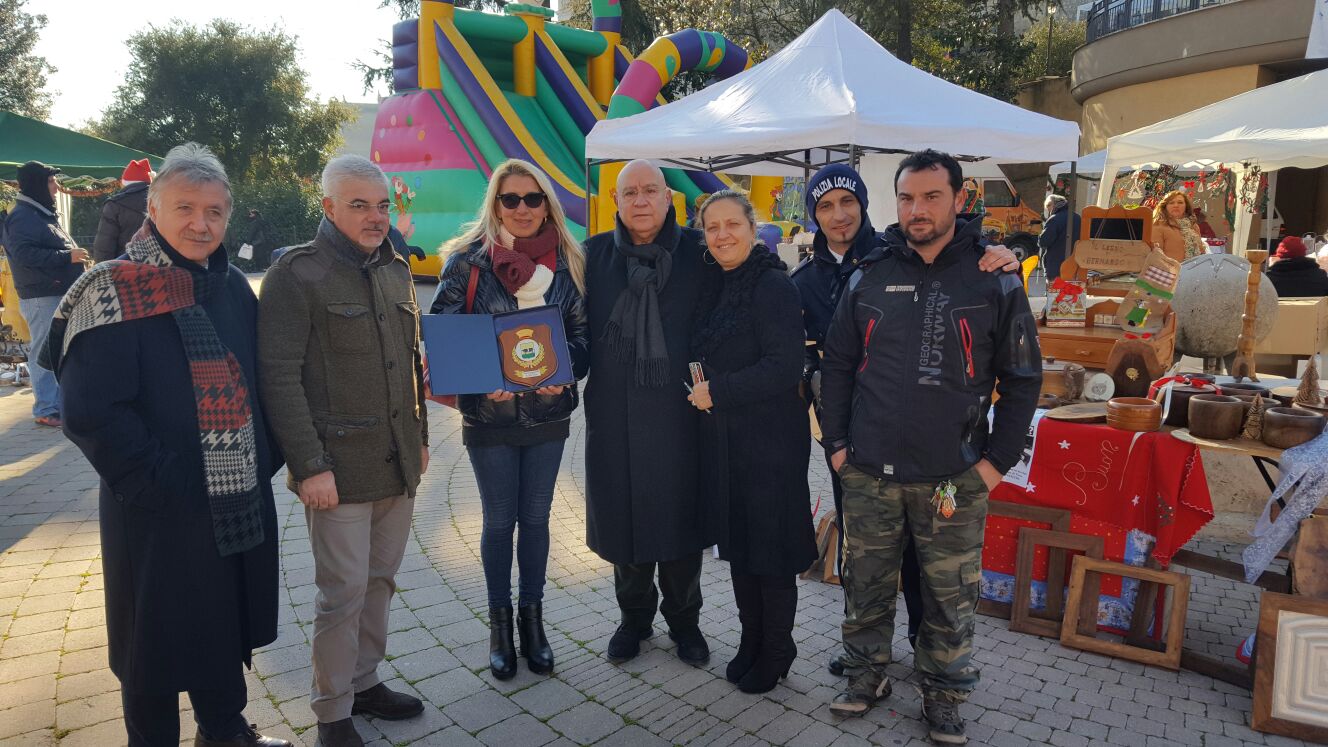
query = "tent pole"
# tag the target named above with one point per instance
(1268, 212)
(1070, 238)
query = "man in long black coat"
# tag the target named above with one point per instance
(165, 407)
(643, 505)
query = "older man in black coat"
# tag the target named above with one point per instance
(156, 358)
(643, 506)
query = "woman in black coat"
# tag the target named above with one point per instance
(518, 254)
(756, 441)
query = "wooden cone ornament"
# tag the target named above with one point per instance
(1254, 421)
(1308, 392)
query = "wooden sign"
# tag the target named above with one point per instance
(1111, 255)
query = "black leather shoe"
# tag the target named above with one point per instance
(248, 738)
(692, 646)
(626, 643)
(534, 646)
(380, 702)
(502, 651)
(339, 734)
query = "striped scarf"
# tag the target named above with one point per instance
(150, 284)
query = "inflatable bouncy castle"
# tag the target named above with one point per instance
(472, 89)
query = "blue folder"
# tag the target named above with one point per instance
(464, 352)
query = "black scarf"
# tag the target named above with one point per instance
(725, 308)
(634, 330)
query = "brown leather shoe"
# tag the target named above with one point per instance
(339, 734)
(248, 738)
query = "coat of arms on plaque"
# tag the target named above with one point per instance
(526, 357)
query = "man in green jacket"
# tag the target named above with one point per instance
(340, 374)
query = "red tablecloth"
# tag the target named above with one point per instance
(1143, 493)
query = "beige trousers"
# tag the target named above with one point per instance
(357, 551)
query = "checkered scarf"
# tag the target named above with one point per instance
(150, 284)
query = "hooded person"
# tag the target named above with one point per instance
(123, 213)
(1294, 274)
(45, 262)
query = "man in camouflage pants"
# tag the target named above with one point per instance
(918, 343)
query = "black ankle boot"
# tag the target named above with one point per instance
(778, 650)
(534, 646)
(747, 593)
(502, 652)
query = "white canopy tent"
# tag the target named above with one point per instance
(832, 94)
(1281, 125)
(1093, 164)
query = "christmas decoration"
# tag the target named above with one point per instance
(1253, 427)
(1308, 392)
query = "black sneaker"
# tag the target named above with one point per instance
(943, 719)
(692, 646)
(626, 643)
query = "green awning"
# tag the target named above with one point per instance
(23, 139)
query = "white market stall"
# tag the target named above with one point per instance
(1281, 125)
(832, 95)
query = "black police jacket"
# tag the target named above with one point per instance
(912, 358)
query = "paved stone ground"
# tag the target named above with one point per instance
(55, 687)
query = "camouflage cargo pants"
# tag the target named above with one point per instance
(877, 513)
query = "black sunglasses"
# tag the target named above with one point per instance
(510, 200)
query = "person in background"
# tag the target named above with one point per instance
(45, 261)
(1051, 242)
(342, 378)
(644, 512)
(918, 344)
(756, 443)
(123, 213)
(521, 255)
(1294, 274)
(157, 362)
(1174, 227)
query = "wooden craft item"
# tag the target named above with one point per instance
(1057, 519)
(1144, 310)
(1284, 427)
(1099, 388)
(1244, 387)
(1179, 412)
(1138, 414)
(1065, 304)
(1047, 623)
(1253, 427)
(1216, 416)
(1089, 412)
(1133, 365)
(1243, 367)
(1242, 446)
(1309, 561)
(1308, 392)
(1290, 656)
(1063, 379)
(1082, 602)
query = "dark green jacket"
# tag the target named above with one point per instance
(339, 366)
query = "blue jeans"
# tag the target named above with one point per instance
(516, 487)
(37, 312)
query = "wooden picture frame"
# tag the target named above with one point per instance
(1081, 608)
(1057, 519)
(1307, 653)
(1048, 624)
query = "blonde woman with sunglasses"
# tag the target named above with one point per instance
(517, 254)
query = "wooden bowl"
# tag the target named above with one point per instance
(1216, 416)
(1286, 395)
(1134, 414)
(1179, 414)
(1245, 387)
(1284, 427)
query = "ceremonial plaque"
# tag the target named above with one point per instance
(516, 351)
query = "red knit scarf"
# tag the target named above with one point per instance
(515, 266)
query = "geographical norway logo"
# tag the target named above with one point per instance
(931, 355)
(834, 182)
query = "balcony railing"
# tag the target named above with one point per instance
(1110, 16)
